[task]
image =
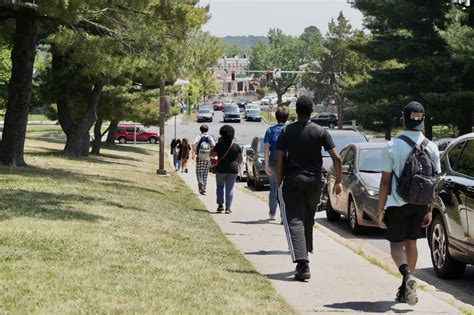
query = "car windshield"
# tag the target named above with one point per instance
(204, 111)
(254, 112)
(369, 160)
(261, 146)
(232, 110)
(341, 140)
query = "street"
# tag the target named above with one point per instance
(462, 289)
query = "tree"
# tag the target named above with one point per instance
(313, 42)
(282, 51)
(5, 72)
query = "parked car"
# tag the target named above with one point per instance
(218, 105)
(204, 114)
(325, 120)
(255, 165)
(231, 113)
(443, 143)
(253, 115)
(341, 138)
(242, 169)
(228, 102)
(266, 100)
(242, 102)
(132, 132)
(250, 106)
(451, 233)
(361, 173)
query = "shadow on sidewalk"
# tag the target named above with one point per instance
(268, 252)
(283, 276)
(252, 222)
(380, 306)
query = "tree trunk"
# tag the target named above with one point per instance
(388, 133)
(428, 127)
(97, 137)
(19, 89)
(78, 139)
(340, 106)
(112, 130)
(466, 123)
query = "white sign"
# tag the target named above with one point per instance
(277, 73)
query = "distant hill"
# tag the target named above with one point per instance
(244, 43)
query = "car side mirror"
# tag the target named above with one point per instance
(347, 169)
(249, 152)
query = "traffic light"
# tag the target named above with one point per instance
(232, 75)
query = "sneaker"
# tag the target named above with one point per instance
(302, 271)
(200, 189)
(400, 296)
(411, 296)
(186, 170)
(228, 211)
(272, 217)
(220, 208)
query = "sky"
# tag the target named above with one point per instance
(256, 17)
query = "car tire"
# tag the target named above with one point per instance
(352, 216)
(153, 140)
(122, 140)
(249, 181)
(331, 214)
(443, 264)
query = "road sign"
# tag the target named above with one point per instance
(277, 73)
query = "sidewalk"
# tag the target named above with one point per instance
(342, 281)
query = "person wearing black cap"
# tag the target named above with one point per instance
(299, 148)
(403, 220)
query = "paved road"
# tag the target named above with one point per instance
(462, 289)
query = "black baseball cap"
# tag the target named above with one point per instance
(414, 115)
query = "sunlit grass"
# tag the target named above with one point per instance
(107, 235)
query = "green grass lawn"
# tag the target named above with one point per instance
(107, 235)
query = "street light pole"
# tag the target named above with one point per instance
(161, 170)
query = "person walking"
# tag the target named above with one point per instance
(229, 156)
(404, 209)
(202, 147)
(270, 140)
(298, 163)
(184, 151)
(175, 145)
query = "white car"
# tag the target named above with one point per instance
(227, 102)
(242, 167)
(265, 101)
(250, 106)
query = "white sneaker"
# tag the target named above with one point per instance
(272, 217)
(411, 296)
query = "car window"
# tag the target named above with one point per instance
(370, 161)
(454, 154)
(341, 140)
(261, 146)
(466, 162)
(129, 129)
(119, 129)
(349, 158)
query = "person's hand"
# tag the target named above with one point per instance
(268, 171)
(427, 219)
(337, 189)
(380, 219)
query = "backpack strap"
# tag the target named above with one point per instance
(201, 140)
(407, 140)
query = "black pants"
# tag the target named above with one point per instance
(298, 207)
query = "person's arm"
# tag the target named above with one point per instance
(213, 152)
(240, 158)
(266, 157)
(279, 157)
(384, 190)
(336, 161)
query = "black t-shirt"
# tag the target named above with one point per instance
(228, 164)
(303, 141)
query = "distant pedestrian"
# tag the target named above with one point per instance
(184, 151)
(403, 207)
(270, 141)
(202, 146)
(175, 145)
(298, 163)
(229, 156)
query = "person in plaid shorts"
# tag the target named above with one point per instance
(203, 163)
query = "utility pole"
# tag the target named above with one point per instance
(161, 170)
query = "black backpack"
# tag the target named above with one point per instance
(417, 182)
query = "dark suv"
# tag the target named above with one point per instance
(451, 234)
(255, 165)
(325, 120)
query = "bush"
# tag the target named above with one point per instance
(261, 92)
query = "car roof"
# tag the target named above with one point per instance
(370, 145)
(130, 125)
(348, 132)
(459, 139)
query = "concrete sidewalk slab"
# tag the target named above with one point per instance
(342, 281)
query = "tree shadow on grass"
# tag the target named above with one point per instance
(43, 205)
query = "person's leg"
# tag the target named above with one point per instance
(411, 253)
(312, 196)
(206, 167)
(220, 184)
(272, 197)
(229, 191)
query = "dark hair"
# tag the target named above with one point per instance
(282, 114)
(304, 105)
(227, 133)
(204, 128)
